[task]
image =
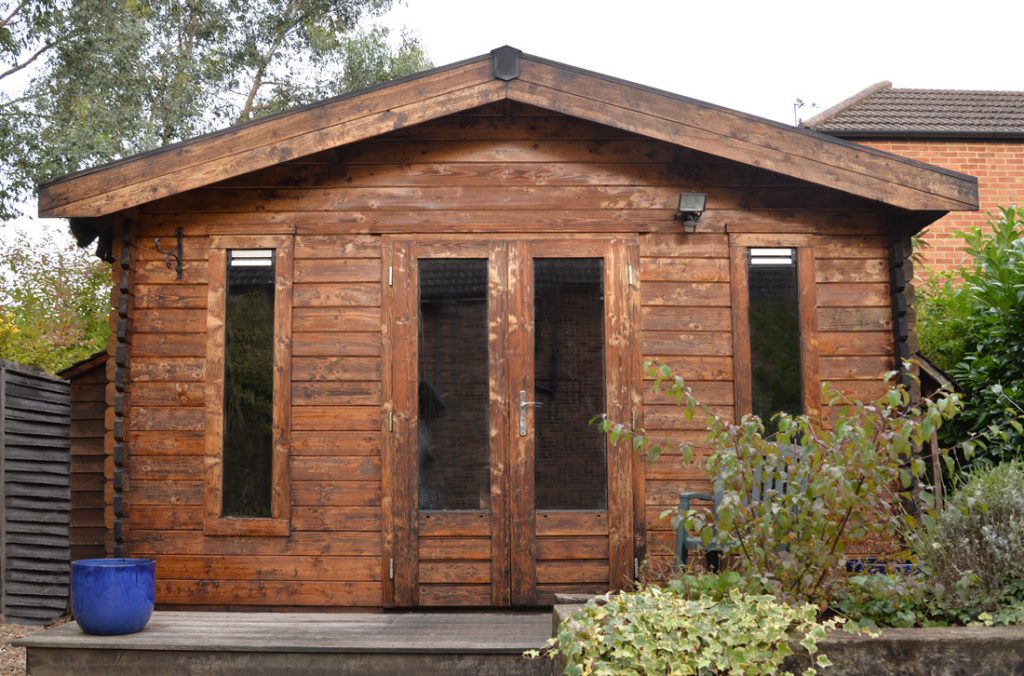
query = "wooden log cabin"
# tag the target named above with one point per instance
(367, 381)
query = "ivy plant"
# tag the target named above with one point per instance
(659, 631)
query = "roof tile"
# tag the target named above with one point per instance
(925, 112)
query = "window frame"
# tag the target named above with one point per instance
(214, 522)
(739, 251)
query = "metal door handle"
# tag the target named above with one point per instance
(522, 411)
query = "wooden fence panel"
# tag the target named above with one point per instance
(35, 468)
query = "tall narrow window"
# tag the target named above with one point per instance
(774, 317)
(248, 383)
(248, 388)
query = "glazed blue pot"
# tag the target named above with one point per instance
(112, 596)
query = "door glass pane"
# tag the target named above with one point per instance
(570, 462)
(454, 454)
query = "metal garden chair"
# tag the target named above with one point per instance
(774, 482)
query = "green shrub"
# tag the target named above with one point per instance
(846, 484)
(889, 599)
(943, 308)
(974, 550)
(659, 631)
(975, 330)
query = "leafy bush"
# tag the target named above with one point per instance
(974, 550)
(845, 484)
(659, 631)
(888, 599)
(976, 331)
(942, 326)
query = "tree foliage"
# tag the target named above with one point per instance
(83, 82)
(54, 302)
(120, 77)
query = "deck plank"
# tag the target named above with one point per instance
(419, 633)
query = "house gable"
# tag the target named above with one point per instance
(506, 74)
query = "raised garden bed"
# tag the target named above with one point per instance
(908, 652)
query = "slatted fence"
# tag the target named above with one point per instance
(35, 467)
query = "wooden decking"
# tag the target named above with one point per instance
(301, 643)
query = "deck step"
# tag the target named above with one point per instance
(301, 643)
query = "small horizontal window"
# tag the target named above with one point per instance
(252, 258)
(773, 256)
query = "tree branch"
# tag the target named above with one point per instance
(7, 19)
(35, 56)
(26, 97)
(257, 80)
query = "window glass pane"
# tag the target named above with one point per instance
(248, 383)
(570, 465)
(454, 430)
(774, 333)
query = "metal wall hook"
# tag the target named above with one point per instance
(174, 253)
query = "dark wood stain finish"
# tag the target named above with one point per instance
(506, 179)
(35, 494)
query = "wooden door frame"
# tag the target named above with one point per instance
(619, 383)
(513, 554)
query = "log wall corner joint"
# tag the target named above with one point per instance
(120, 387)
(901, 274)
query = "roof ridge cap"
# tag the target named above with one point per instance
(954, 90)
(829, 113)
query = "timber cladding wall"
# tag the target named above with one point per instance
(505, 169)
(88, 381)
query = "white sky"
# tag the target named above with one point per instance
(757, 57)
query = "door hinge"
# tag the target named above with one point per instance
(391, 569)
(630, 275)
(391, 421)
(636, 569)
(633, 420)
(391, 276)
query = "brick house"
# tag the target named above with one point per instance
(980, 133)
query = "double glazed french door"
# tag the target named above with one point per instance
(497, 490)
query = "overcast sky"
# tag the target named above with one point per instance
(757, 57)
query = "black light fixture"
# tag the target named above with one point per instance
(691, 206)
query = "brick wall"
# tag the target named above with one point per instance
(999, 167)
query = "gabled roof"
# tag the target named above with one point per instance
(503, 74)
(881, 111)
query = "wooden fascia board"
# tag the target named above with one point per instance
(873, 175)
(252, 147)
(718, 131)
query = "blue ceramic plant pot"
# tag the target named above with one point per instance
(112, 596)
